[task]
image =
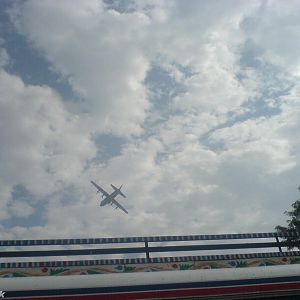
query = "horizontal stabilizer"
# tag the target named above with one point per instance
(118, 190)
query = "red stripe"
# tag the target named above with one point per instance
(199, 292)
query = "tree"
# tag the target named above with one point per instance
(291, 233)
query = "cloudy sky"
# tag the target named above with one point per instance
(192, 105)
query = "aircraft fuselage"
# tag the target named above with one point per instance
(108, 199)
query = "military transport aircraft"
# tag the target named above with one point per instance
(110, 198)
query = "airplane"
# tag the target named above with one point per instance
(110, 198)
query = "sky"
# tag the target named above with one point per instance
(192, 105)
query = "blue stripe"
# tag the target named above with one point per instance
(156, 287)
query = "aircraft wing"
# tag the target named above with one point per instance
(119, 205)
(100, 189)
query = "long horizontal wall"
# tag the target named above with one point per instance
(88, 267)
(223, 283)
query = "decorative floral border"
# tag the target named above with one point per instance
(146, 267)
(127, 261)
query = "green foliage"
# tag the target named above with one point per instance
(241, 264)
(214, 265)
(295, 260)
(128, 269)
(56, 271)
(18, 274)
(92, 272)
(185, 267)
(291, 233)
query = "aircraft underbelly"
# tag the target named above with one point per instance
(105, 201)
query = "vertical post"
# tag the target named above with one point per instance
(277, 240)
(147, 250)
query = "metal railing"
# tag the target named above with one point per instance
(146, 249)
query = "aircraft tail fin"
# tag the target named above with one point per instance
(118, 190)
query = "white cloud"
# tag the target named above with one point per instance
(97, 51)
(274, 30)
(217, 161)
(5, 198)
(42, 146)
(4, 58)
(21, 209)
